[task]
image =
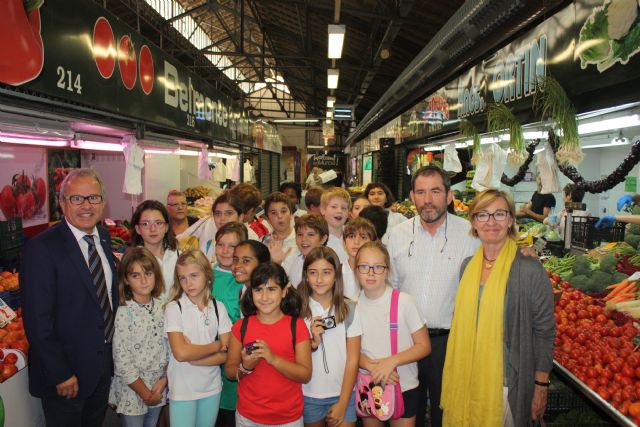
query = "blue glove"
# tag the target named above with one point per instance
(606, 221)
(625, 202)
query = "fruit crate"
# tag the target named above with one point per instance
(585, 235)
(10, 234)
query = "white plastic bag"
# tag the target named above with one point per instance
(548, 171)
(451, 159)
(490, 168)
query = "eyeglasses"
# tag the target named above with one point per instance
(76, 199)
(149, 224)
(377, 269)
(499, 215)
(413, 236)
(180, 204)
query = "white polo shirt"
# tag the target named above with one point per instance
(187, 381)
(323, 384)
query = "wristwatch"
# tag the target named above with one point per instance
(543, 383)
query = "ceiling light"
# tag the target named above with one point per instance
(295, 120)
(331, 100)
(609, 124)
(328, 121)
(329, 114)
(332, 78)
(34, 141)
(336, 41)
(84, 144)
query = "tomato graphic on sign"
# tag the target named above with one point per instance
(21, 48)
(104, 47)
(127, 62)
(146, 69)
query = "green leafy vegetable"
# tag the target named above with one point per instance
(593, 45)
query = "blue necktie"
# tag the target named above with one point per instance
(97, 275)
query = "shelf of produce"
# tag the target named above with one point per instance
(594, 397)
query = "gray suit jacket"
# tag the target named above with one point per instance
(529, 331)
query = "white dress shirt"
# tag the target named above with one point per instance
(431, 274)
(84, 247)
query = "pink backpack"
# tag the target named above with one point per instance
(381, 401)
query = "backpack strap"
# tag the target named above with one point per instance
(294, 324)
(393, 325)
(351, 306)
(243, 329)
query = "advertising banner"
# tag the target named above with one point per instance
(588, 46)
(77, 51)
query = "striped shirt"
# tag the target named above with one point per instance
(432, 273)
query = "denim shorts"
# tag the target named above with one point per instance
(316, 409)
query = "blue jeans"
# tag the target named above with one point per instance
(194, 413)
(150, 419)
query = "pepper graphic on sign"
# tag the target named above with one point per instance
(21, 50)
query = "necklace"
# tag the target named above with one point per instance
(489, 262)
(147, 307)
(205, 314)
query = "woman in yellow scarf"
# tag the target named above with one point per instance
(500, 348)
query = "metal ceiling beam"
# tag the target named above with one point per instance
(197, 9)
(249, 58)
(390, 34)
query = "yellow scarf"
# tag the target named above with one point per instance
(473, 374)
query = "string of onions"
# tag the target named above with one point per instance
(468, 130)
(499, 118)
(552, 103)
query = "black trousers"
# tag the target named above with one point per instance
(86, 411)
(430, 375)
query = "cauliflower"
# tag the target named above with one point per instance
(620, 15)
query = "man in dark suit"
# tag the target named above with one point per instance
(69, 291)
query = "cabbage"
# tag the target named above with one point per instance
(593, 44)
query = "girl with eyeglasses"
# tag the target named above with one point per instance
(151, 230)
(374, 311)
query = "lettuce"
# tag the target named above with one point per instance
(593, 44)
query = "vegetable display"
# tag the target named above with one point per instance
(500, 117)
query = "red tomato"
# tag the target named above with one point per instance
(628, 371)
(146, 69)
(21, 345)
(604, 393)
(8, 202)
(633, 360)
(104, 47)
(603, 381)
(10, 358)
(127, 62)
(592, 383)
(8, 370)
(601, 319)
(26, 204)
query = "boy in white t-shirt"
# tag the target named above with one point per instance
(311, 231)
(335, 204)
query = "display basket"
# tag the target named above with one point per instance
(585, 235)
(10, 235)
(562, 400)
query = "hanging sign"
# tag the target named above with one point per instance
(77, 51)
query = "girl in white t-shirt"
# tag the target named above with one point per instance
(329, 396)
(198, 330)
(374, 309)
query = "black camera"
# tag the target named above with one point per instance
(328, 322)
(249, 348)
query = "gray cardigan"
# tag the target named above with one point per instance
(529, 331)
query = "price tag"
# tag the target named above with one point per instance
(6, 314)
